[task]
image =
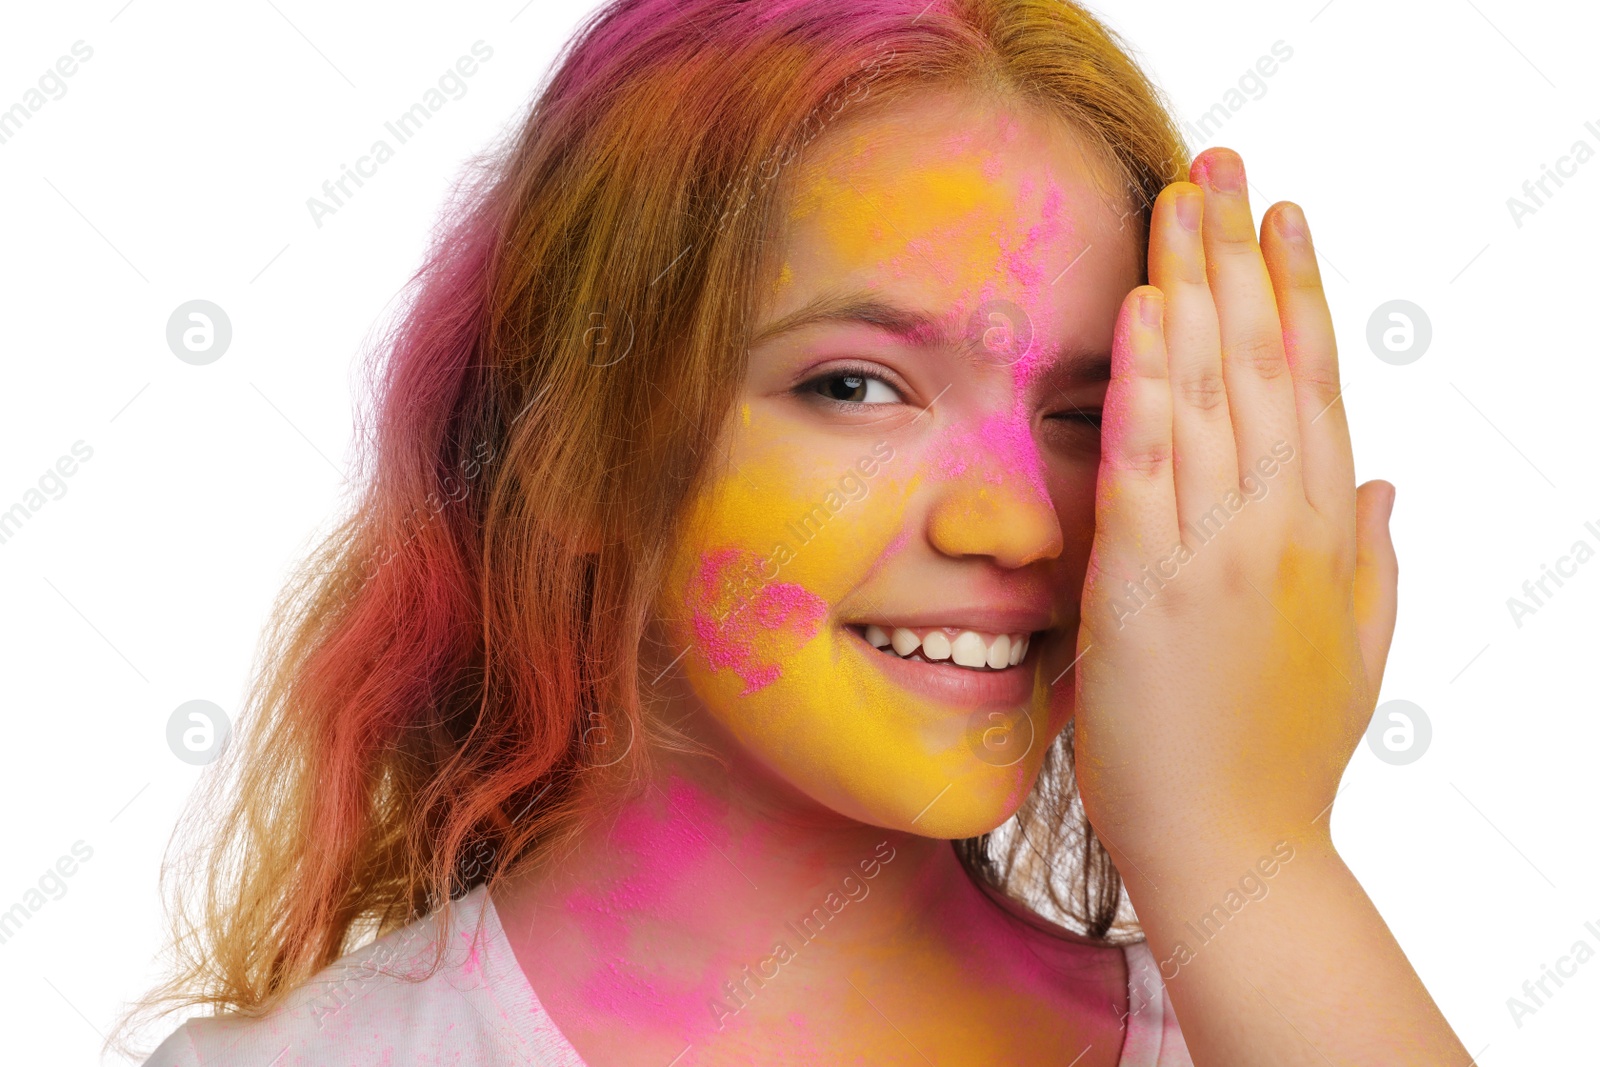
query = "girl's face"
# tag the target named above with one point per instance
(879, 592)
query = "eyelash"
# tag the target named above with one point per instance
(808, 387)
(1086, 418)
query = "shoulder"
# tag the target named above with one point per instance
(386, 1004)
(1119, 987)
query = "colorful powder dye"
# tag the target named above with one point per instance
(731, 623)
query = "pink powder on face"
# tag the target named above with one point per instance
(1002, 443)
(1025, 264)
(732, 615)
(957, 143)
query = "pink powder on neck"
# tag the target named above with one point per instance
(662, 842)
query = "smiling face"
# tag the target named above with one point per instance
(879, 590)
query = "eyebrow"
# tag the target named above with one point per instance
(915, 328)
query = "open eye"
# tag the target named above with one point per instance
(851, 386)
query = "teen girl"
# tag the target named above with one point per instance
(898, 525)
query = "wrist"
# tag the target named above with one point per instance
(1197, 878)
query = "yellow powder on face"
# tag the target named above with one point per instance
(827, 719)
(953, 210)
(785, 279)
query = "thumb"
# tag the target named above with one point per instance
(1377, 573)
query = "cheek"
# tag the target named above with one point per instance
(777, 543)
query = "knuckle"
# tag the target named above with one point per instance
(1236, 237)
(1323, 387)
(1203, 390)
(1305, 278)
(1259, 354)
(1143, 457)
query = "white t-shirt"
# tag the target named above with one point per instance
(478, 1010)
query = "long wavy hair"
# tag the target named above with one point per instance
(456, 678)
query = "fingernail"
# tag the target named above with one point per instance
(1150, 310)
(1389, 510)
(1292, 223)
(1188, 209)
(1224, 172)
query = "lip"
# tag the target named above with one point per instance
(945, 683)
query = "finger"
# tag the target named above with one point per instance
(1135, 507)
(1377, 577)
(1205, 456)
(1327, 466)
(1260, 391)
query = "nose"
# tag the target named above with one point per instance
(997, 507)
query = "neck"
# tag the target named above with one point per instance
(707, 885)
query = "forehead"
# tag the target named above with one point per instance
(947, 202)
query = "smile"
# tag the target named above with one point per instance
(951, 665)
(973, 649)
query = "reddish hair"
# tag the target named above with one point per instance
(434, 681)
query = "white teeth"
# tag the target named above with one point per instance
(1000, 652)
(968, 650)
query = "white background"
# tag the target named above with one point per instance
(177, 166)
